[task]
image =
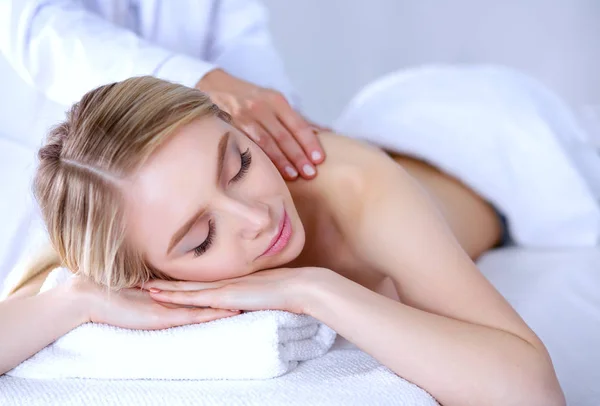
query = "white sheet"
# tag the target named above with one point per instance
(555, 291)
(498, 131)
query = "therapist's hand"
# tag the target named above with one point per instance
(267, 118)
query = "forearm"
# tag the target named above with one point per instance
(457, 362)
(29, 324)
(64, 49)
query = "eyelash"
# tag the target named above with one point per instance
(246, 159)
(201, 249)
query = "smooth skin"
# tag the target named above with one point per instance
(365, 226)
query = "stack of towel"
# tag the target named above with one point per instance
(254, 345)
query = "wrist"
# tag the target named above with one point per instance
(315, 287)
(81, 298)
(219, 81)
(211, 80)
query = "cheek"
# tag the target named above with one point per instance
(224, 267)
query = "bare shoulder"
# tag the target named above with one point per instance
(352, 173)
(366, 167)
(343, 150)
(352, 162)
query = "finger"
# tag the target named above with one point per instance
(288, 144)
(187, 298)
(222, 298)
(171, 305)
(179, 317)
(259, 135)
(297, 125)
(158, 284)
(319, 128)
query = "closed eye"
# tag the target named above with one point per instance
(246, 160)
(201, 249)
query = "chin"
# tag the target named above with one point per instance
(296, 244)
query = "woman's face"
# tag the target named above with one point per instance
(209, 205)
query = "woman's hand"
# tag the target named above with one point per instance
(289, 289)
(134, 309)
(268, 119)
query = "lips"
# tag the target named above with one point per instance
(282, 238)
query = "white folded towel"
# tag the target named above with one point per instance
(254, 345)
(344, 376)
(501, 133)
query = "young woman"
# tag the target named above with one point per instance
(148, 190)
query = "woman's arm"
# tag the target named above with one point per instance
(64, 49)
(29, 323)
(453, 334)
(458, 362)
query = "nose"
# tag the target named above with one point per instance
(255, 217)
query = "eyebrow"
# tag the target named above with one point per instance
(187, 226)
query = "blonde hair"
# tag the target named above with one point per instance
(107, 136)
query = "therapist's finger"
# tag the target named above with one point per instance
(320, 128)
(299, 127)
(259, 135)
(288, 144)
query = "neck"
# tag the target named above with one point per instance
(315, 214)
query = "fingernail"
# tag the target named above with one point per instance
(291, 172)
(308, 170)
(316, 156)
(154, 290)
